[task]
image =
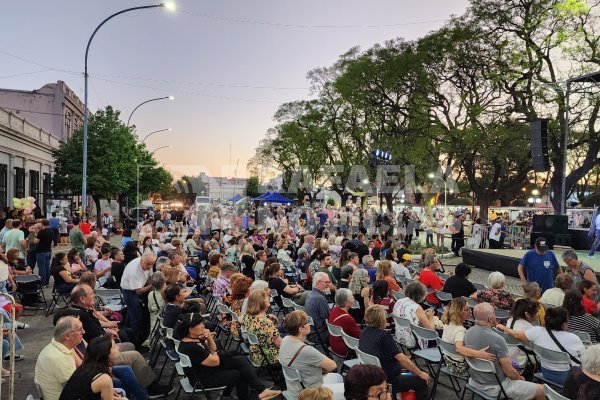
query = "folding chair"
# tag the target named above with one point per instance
(584, 336)
(110, 298)
(350, 341)
(397, 295)
(298, 307)
(551, 356)
(291, 375)
(552, 394)
(443, 296)
(479, 286)
(430, 355)
(185, 383)
(502, 315)
(31, 285)
(337, 331)
(448, 350)
(404, 325)
(365, 358)
(56, 297)
(253, 341)
(484, 367)
(221, 326)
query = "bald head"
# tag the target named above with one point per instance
(483, 312)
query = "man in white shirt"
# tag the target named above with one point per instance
(495, 234)
(135, 287)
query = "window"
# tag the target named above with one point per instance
(19, 182)
(3, 185)
(34, 185)
(46, 190)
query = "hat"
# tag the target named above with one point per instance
(406, 257)
(541, 243)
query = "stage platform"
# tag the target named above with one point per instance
(506, 261)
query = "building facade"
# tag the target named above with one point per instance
(221, 189)
(55, 108)
(26, 162)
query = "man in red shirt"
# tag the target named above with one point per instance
(588, 291)
(339, 317)
(429, 278)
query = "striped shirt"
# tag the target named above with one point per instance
(586, 323)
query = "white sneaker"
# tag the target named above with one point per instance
(21, 325)
(591, 257)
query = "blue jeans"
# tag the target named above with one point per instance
(555, 376)
(43, 263)
(124, 378)
(596, 243)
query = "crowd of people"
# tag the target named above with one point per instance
(339, 267)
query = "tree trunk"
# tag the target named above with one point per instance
(484, 205)
(389, 201)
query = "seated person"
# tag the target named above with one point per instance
(409, 308)
(430, 279)
(556, 295)
(583, 383)
(344, 299)
(495, 294)
(216, 369)
(64, 281)
(273, 274)
(458, 285)
(482, 335)
(310, 362)
(257, 321)
(378, 342)
(221, 285)
(365, 381)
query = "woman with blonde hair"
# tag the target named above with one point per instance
(257, 322)
(384, 272)
(457, 312)
(316, 393)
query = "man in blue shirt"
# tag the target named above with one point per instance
(538, 265)
(54, 222)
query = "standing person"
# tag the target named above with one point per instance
(43, 253)
(107, 221)
(594, 232)
(495, 234)
(135, 288)
(76, 238)
(15, 239)
(54, 223)
(458, 233)
(426, 226)
(538, 265)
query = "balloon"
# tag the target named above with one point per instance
(17, 203)
(31, 199)
(27, 211)
(25, 202)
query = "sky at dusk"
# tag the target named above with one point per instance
(229, 64)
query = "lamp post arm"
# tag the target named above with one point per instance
(141, 104)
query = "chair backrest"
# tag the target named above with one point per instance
(551, 356)
(551, 394)
(223, 309)
(350, 341)
(27, 278)
(365, 358)
(334, 330)
(443, 296)
(291, 374)
(184, 360)
(397, 295)
(102, 280)
(38, 390)
(287, 302)
(108, 293)
(584, 336)
(355, 305)
(448, 349)
(423, 333)
(234, 316)
(483, 366)
(472, 302)
(401, 322)
(479, 286)
(298, 307)
(252, 339)
(274, 293)
(502, 314)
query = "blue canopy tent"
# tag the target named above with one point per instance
(273, 197)
(259, 198)
(236, 198)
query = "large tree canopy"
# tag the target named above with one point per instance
(114, 157)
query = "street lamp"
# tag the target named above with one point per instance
(152, 133)
(148, 101)
(168, 6)
(155, 150)
(380, 157)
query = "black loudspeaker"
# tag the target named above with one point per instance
(558, 224)
(539, 145)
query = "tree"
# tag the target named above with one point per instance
(252, 187)
(113, 155)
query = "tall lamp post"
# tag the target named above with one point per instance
(85, 97)
(152, 133)
(145, 102)
(380, 157)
